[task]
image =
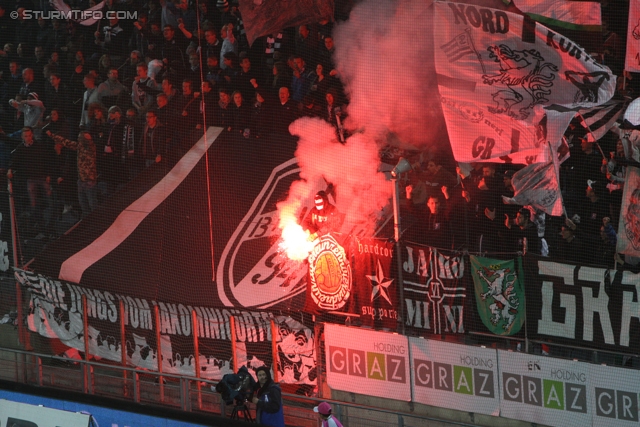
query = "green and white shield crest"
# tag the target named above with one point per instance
(499, 294)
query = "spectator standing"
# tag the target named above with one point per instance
(207, 103)
(29, 83)
(433, 227)
(523, 235)
(110, 90)
(32, 109)
(31, 166)
(89, 97)
(110, 167)
(240, 116)
(87, 168)
(154, 142)
(307, 44)
(112, 40)
(229, 43)
(57, 94)
(437, 179)
(222, 110)
(188, 106)
(246, 80)
(212, 46)
(301, 80)
(139, 40)
(268, 400)
(282, 114)
(141, 98)
(173, 49)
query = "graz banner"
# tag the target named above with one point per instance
(56, 312)
(614, 396)
(455, 376)
(369, 362)
(499, 294)
(582, 306)
(544, 390)
(435, 289)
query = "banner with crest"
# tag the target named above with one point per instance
(499, 294)
(497, 71)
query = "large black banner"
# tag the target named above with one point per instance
(582, 306)
(202, 232)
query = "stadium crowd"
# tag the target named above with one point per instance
(94, 105)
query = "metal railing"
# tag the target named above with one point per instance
(179, 392)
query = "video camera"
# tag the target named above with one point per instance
(238, 387)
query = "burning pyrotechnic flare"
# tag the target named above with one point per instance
(296, 243)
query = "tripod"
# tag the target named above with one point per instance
(240, 409)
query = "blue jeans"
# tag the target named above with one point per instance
(87, 196)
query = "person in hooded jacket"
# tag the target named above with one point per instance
(268, 400)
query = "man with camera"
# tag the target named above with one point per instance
(268, 400)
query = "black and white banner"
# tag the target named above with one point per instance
(582, 306)
(435, 289)
(56, 312)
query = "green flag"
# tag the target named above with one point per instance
(499, 294)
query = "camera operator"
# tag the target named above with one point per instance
(268, 400)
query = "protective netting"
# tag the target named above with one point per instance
(166, 164)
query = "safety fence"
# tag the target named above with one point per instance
(181, 392)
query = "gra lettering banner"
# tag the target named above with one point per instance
(455, 376)
(582, 306)
(544, 390)
(368, 362)
(56, 312)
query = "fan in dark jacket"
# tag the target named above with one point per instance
(268, 400)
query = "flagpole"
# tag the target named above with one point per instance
(592, 135)
(556, 168)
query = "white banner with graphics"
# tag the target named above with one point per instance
(497, 71)
(544, 390)
(455, 376)
(368, 362)
(632, 58)
(614, 396)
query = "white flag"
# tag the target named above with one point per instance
(632, 60)
(629, 226)
(599, 120)
(537, 185)
(506, 71)
(562, 13)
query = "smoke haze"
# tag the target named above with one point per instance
(384, 58)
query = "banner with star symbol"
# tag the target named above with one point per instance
(375, 283)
